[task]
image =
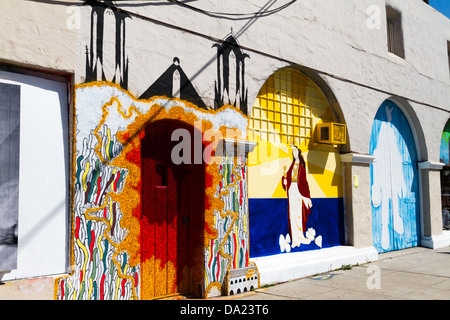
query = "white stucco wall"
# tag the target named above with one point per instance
(331, 37)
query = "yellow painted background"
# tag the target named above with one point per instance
(288, 107)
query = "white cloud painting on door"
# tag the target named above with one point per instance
(394, 181)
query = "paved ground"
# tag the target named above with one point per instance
(416, 273)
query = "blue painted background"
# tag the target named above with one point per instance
(409, 204)
(268, 218)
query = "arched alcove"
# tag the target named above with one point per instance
(395, 180)
(289, 111)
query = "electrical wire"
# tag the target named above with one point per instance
(259, 13)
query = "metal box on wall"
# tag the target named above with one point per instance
(331, 133)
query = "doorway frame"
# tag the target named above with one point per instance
(196, 261)
(421, 154)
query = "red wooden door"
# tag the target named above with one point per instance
(169, 198)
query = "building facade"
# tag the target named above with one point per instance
(162, 148)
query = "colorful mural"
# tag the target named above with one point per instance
(114, 216)
(107, 204)
(394, 181)
(288, 108)
(444, 156)
(230, 249)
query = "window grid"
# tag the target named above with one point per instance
(281, 114)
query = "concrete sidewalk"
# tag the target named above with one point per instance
(416, 273)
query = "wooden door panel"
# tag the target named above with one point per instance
(148, 228)
(172, 231)
(172, 200)
(161, 241)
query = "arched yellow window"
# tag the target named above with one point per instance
(292, 110)
(286, 112)
(288, 107)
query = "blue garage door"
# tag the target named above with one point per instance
(394, 181)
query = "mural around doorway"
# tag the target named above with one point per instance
(107, 258)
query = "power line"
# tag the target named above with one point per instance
(258, 13)
(249, 49)
(228, 15)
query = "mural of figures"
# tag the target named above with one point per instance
(299, 198)
(289, 210)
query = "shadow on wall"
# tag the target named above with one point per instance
(113, 64)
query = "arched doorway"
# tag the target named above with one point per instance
(172, 226)
(444, 157)
(288, 111)
(394, 181)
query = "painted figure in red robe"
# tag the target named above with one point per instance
(299, 199)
